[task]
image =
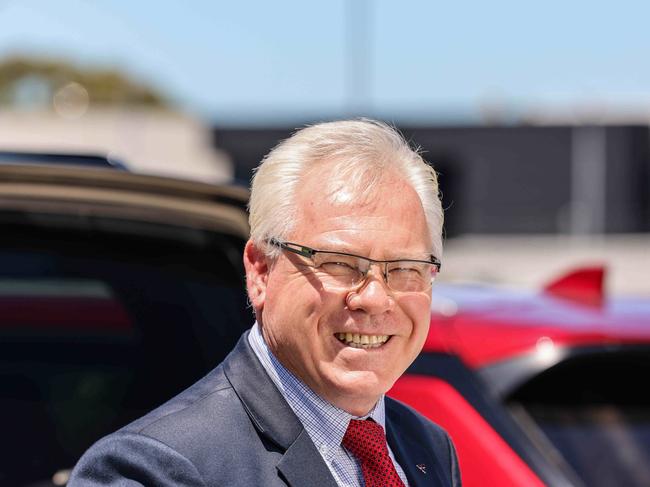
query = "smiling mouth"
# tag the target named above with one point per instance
(356, 340)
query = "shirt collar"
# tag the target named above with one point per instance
(325, 423)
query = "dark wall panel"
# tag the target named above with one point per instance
(628, 180)
(504, 179)
(514, 180)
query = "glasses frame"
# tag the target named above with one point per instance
(309, 253)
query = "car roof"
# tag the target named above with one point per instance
(87, 160)
(106, 191)
(486, 324)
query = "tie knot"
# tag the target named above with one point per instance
(365, 439)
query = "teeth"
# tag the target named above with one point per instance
(357, 340)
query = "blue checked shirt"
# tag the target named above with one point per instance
(326, 424)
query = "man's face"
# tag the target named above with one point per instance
(301, 319)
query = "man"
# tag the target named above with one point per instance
(345, 240)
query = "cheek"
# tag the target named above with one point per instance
(296, 305)
(418, 310)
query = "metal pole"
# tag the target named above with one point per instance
(358, 60)
(588, 180)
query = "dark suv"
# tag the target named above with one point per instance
(117, 291)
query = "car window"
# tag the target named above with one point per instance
(594, 408)
(100, 321)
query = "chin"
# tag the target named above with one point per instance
(361, 383)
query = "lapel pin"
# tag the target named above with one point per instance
(422, 467)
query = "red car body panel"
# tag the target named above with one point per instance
(481, 341)
(481, 451)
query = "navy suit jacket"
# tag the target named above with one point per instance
(234, 428)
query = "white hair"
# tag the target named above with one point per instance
(360, 153)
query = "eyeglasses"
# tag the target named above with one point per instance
(343, 271)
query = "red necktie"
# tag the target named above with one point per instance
(366, 440)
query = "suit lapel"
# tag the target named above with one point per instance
(420, 466)
(302, 464)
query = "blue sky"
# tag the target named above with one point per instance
(290, 60)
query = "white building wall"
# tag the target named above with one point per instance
(150, 141)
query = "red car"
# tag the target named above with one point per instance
(539, 389)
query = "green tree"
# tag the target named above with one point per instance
(38, 80)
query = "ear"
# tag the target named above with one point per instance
(257, 270)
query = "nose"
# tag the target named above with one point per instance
(373, 296)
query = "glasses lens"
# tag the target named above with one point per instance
(339, 270)
(410, 276)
